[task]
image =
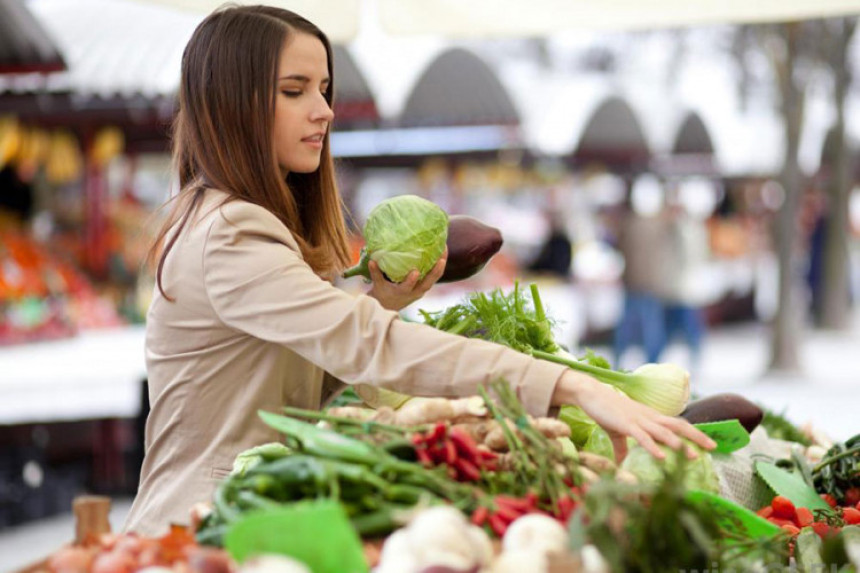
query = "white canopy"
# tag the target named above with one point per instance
(341, 19)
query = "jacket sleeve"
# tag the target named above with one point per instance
(259, 284)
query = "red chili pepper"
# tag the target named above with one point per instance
(506, 512)
(479, 516)
(532, 499)
(437, 453)
(488, 454)
(418, 439)
(423, 457)
(466, 446)
(492, 466)
(438, 432)
(467, 469)
(518, 504)
(450, 452)
(852, 496)
(498, 525)
(566, 505)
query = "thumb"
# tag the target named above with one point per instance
(619, 444)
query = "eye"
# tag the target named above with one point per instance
(291, 93)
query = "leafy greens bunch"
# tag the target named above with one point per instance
(519, 321)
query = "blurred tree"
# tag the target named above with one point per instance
(788, 54)
(782, 43)
(800, 53)
(833, 312)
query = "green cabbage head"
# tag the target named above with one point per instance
(402, 234)
(700, 473)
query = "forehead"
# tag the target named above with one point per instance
(305, 55)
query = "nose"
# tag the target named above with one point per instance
(322, 112)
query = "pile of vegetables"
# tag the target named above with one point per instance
(838, 472)
(110, 553)
(379, 471)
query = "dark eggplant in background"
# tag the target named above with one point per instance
(471, 244)
(724, 407)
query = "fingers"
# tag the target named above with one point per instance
(664, 434)
(411, 280)
(646, 441)
(436, 272)
(619, 446)
(376, 273)
(689, 431)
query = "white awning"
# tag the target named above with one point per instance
(341, 19)
(519, 18)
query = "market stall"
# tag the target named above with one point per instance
(394, 483)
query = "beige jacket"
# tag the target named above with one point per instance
(253, 327)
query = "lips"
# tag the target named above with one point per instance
(315, 138)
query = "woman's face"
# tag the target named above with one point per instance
(302, 114)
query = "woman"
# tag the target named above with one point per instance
(244, 316)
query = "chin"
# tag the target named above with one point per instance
(308, 167)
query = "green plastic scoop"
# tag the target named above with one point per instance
(729, 435)
(732, 517)
(316, 533)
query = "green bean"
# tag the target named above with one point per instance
(375, 523)
(322, 442)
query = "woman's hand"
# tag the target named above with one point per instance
(621, 416)
(397, 296)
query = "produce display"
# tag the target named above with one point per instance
(475, 485)
(43, 296)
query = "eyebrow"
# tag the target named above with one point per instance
(301, 78)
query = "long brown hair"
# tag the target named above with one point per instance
(223, 134)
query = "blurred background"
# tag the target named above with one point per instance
(681, 182)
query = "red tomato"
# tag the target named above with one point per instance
(783, 508)
(852, 496)
(765, 512)
(851, 515)
(791, 529)
(805, 517)
(831, 501)
(821, 528)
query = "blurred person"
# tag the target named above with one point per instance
(556, 253)
(641, 238)
(813, 216)
(244, 315)
(685, 254)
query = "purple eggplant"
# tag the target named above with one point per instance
(724, 407)
(471, 244)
